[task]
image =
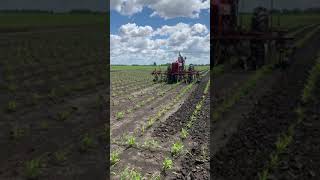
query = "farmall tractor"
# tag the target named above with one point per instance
(248, 48)
(177, 72)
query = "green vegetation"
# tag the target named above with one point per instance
(60, 156)
(308, 92)
(167, 164)
(120, 115)
(130, 174)
(286, 138)
(183, 133)
(32, 169)
(131, 141)
(114, 158)
(26, 20)
(176, 148)
(62, 116)
(151, 144)
(146, 68)
(86, 142)
(12, 106)
(285, 21)
(242, 91)
(17, 133)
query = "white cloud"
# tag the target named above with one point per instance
(143, 45)
(164, 8)
(135, 31)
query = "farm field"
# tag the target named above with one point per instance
(52, 94)
(256, 132)
(154, 125)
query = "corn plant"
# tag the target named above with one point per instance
(283, 142)
(132, 174)
(16, 133)
(264, 175)
(176, 148)
(12, 106)
(131, 141)
(63, 116)
(44, 125)
(114, 158)
(150, 122)
(120, 115)
(151, 144)
(60, 156)
(86, 143)
(32, 169)
(167, 164)
(183, 133)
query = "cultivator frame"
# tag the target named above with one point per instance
(229, 38)
(174, 77)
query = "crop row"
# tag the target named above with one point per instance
(286, 138)
(161, 93)
(251, 83)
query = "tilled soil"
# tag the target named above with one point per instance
(248, 149)
(195, 164)
(301, 160)
(147, 161)
(35, 132)
(177, 120)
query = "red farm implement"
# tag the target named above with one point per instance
(177, 72)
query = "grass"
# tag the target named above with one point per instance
(176, 148)
(167, 164)
(32, 169)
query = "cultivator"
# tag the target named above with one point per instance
(176, 72)
(251, 48)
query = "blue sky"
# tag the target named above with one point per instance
(143, 19)
(147, 31)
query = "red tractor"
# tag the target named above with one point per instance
(177, 72)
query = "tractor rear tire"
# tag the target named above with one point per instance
(260, 23)
(260, 20)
